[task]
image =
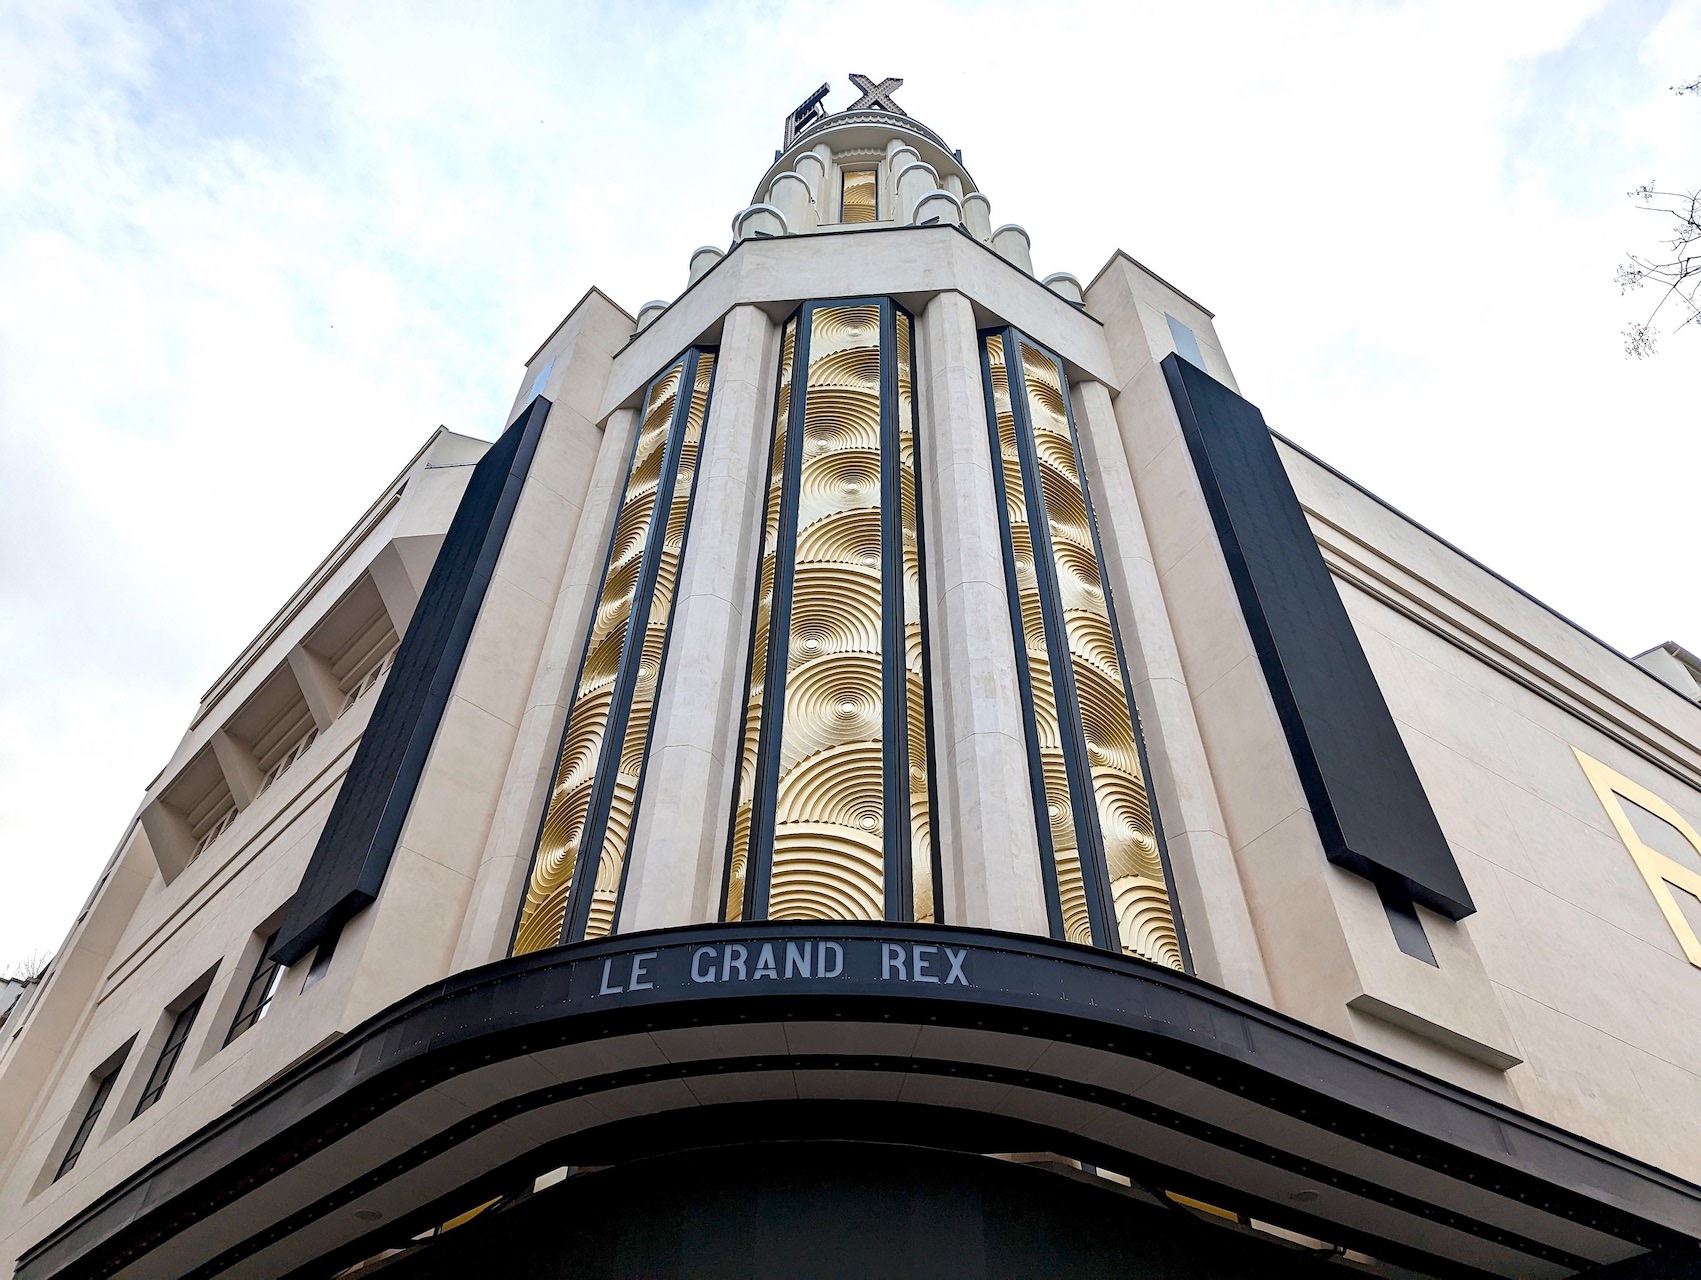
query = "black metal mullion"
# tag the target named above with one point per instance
(759, 856)
(1089, 840)
(900, 878)
(1133, 707)
(595, 830)
(1024, 677)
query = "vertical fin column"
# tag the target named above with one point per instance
(599, 773)
(1107, 881)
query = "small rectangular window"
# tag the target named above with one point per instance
(85, 1126)
(257, 996)
(1186, 343)
(859, 199)
(169, 1053)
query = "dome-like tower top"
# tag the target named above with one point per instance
(871, 165)
(867, 129)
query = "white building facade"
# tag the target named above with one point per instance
(887, 766)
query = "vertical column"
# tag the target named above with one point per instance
(991, 847)
(241, 772)
(395, 586)
(318, 686)
(676, 853)
(1220, 934)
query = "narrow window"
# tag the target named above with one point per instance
(1186, 343)
(1106, 878)
(85, 1126)
(169, 1053)
(833, 813)
(579, 866)
(859, 198)
(257, 996)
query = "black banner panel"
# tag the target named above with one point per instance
(1364, 792)
(354, 850)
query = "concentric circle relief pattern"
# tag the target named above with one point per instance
(839, 578)
(829, 856)
(594, 797)
(1065, 600)
(1057, 817)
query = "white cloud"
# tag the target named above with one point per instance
(251, 255)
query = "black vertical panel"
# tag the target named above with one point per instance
(354, 850)
(1369, 805)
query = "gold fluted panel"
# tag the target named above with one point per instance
(1059, 813)
(645, 516)
(921, 818)
(860, 202)
(1137, 882)
(738, 864)
(829, 821)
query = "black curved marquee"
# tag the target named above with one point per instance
(662, 1044)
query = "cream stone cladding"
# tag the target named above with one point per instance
(1566, 994)
(1493, 694)
(143, 940)
(1322, 934)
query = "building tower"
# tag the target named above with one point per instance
(886, 767)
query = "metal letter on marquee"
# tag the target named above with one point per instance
(1660, 872)
(807, 113)
(876, 97)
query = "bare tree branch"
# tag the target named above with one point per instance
(30, 967)
(1676, 271)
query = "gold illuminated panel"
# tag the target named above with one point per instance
(594, 798)
(859, 197)
(1055, 811)
(832, 819)
(1089, 786)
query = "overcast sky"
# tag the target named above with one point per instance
(252, 254)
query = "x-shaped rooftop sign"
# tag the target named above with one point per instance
(876, 96)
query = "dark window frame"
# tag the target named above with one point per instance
(169, 1053)
(91, 1115)
(265, 980)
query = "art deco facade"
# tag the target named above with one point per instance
(886, 767)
